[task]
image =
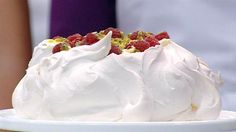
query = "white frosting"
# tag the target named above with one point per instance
(163, 83)
(44, 49)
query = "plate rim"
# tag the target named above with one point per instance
(10, 121)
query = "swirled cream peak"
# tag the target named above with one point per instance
(163, 83)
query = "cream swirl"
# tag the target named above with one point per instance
(163, 83)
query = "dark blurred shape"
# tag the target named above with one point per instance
(81, 16)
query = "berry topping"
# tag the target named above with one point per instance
(162, 35)
(133, 35)
(137, 41)
(60, 47)
(115, 49)
(89, 39)
(73, 43)
(139, 35)
(74, 39)
(140, 45)
(152, 41)
(76, 36)
(116, 33)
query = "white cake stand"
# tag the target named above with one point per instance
(9, 121)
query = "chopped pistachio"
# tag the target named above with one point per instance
(100, 35)
(51, 41)
(65, 46)
(60, 40)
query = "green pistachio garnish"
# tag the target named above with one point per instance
(65, 46)
(60, 40)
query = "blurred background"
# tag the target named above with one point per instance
(205, 27)
(39, 19)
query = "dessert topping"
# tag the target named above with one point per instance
(60, 47)
(115, 49)
(137, 41)
(89, 39)
(116, 33)
(140, 45)
(162, 35)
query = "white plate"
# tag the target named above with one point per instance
(9, 121)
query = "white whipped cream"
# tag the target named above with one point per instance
(163, 83)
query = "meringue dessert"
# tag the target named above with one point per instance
(108, 76)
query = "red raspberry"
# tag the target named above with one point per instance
(59, 47)
(139, 35)
(152, 41)
(56, 48)
(115, 49)
(116, 33)
(73, 43)
(162, 35)
(73, 39)
(140, 45)
(76, 36)
(133, 35)
(90, 39)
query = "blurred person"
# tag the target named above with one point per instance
(15, 44)
(81, 16)
(205, 27)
